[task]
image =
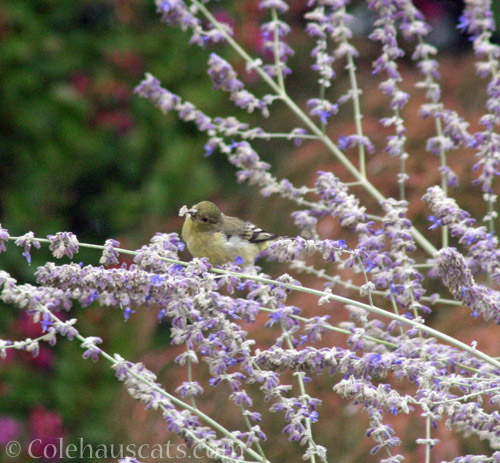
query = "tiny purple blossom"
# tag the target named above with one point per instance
(322, 109)
(127, 312)
(46, 322)
(10, 429)
(297, 136)
(27, 241)
(63, 244)
(4, 238)
(209, 148)
(128, 460)
(280, 5)
(151, 89)
(109, 253)
(459, 280)
(92, 351)
(224, 77)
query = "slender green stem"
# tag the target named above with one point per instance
(444, 177)
(267, 135)
(322, 97)
(249, 426)
(190, 378)
(402, 184)
(467, 396)
(434, 96)
(351, 68)
(428, 446)
(491, 198)
(276, 50)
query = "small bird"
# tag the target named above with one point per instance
(209, 233)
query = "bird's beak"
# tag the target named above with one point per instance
(192, 212)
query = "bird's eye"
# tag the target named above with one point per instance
(204, 219)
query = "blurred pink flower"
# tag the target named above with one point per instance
(128, 61)
(430, 8)
(10, 429)
(27, 328)
(80, 81)
(114, 120)
(223, 16)
(46, 428)
(43, 360)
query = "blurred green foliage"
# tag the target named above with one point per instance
(80, 151)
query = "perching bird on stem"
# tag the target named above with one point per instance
(209, 233)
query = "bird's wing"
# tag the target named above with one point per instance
(246, 231)
(255, 234)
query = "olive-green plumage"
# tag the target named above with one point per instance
(209, 233)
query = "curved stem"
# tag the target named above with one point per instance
(276, 46)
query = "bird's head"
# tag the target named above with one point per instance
(205, 215)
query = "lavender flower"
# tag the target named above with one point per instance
(225, 78)
(289, 249)
(109, 254)
(255, 171)
(92, 351)
(319, 26)
(385, 32)
(297, 135)
(322, 109)
(347, 142)
(335, 196)
(177, 13)
(459, 280)
(223, 75)
(150, 88)
(27, 241)
(4, 238)
(273, 33)
(400, 275)
(451, 129)
(63, 244)
(307, 223)
(280, 5)
(482, 246)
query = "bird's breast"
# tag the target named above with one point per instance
(218, 247)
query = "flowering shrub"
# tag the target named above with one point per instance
(392, 363)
